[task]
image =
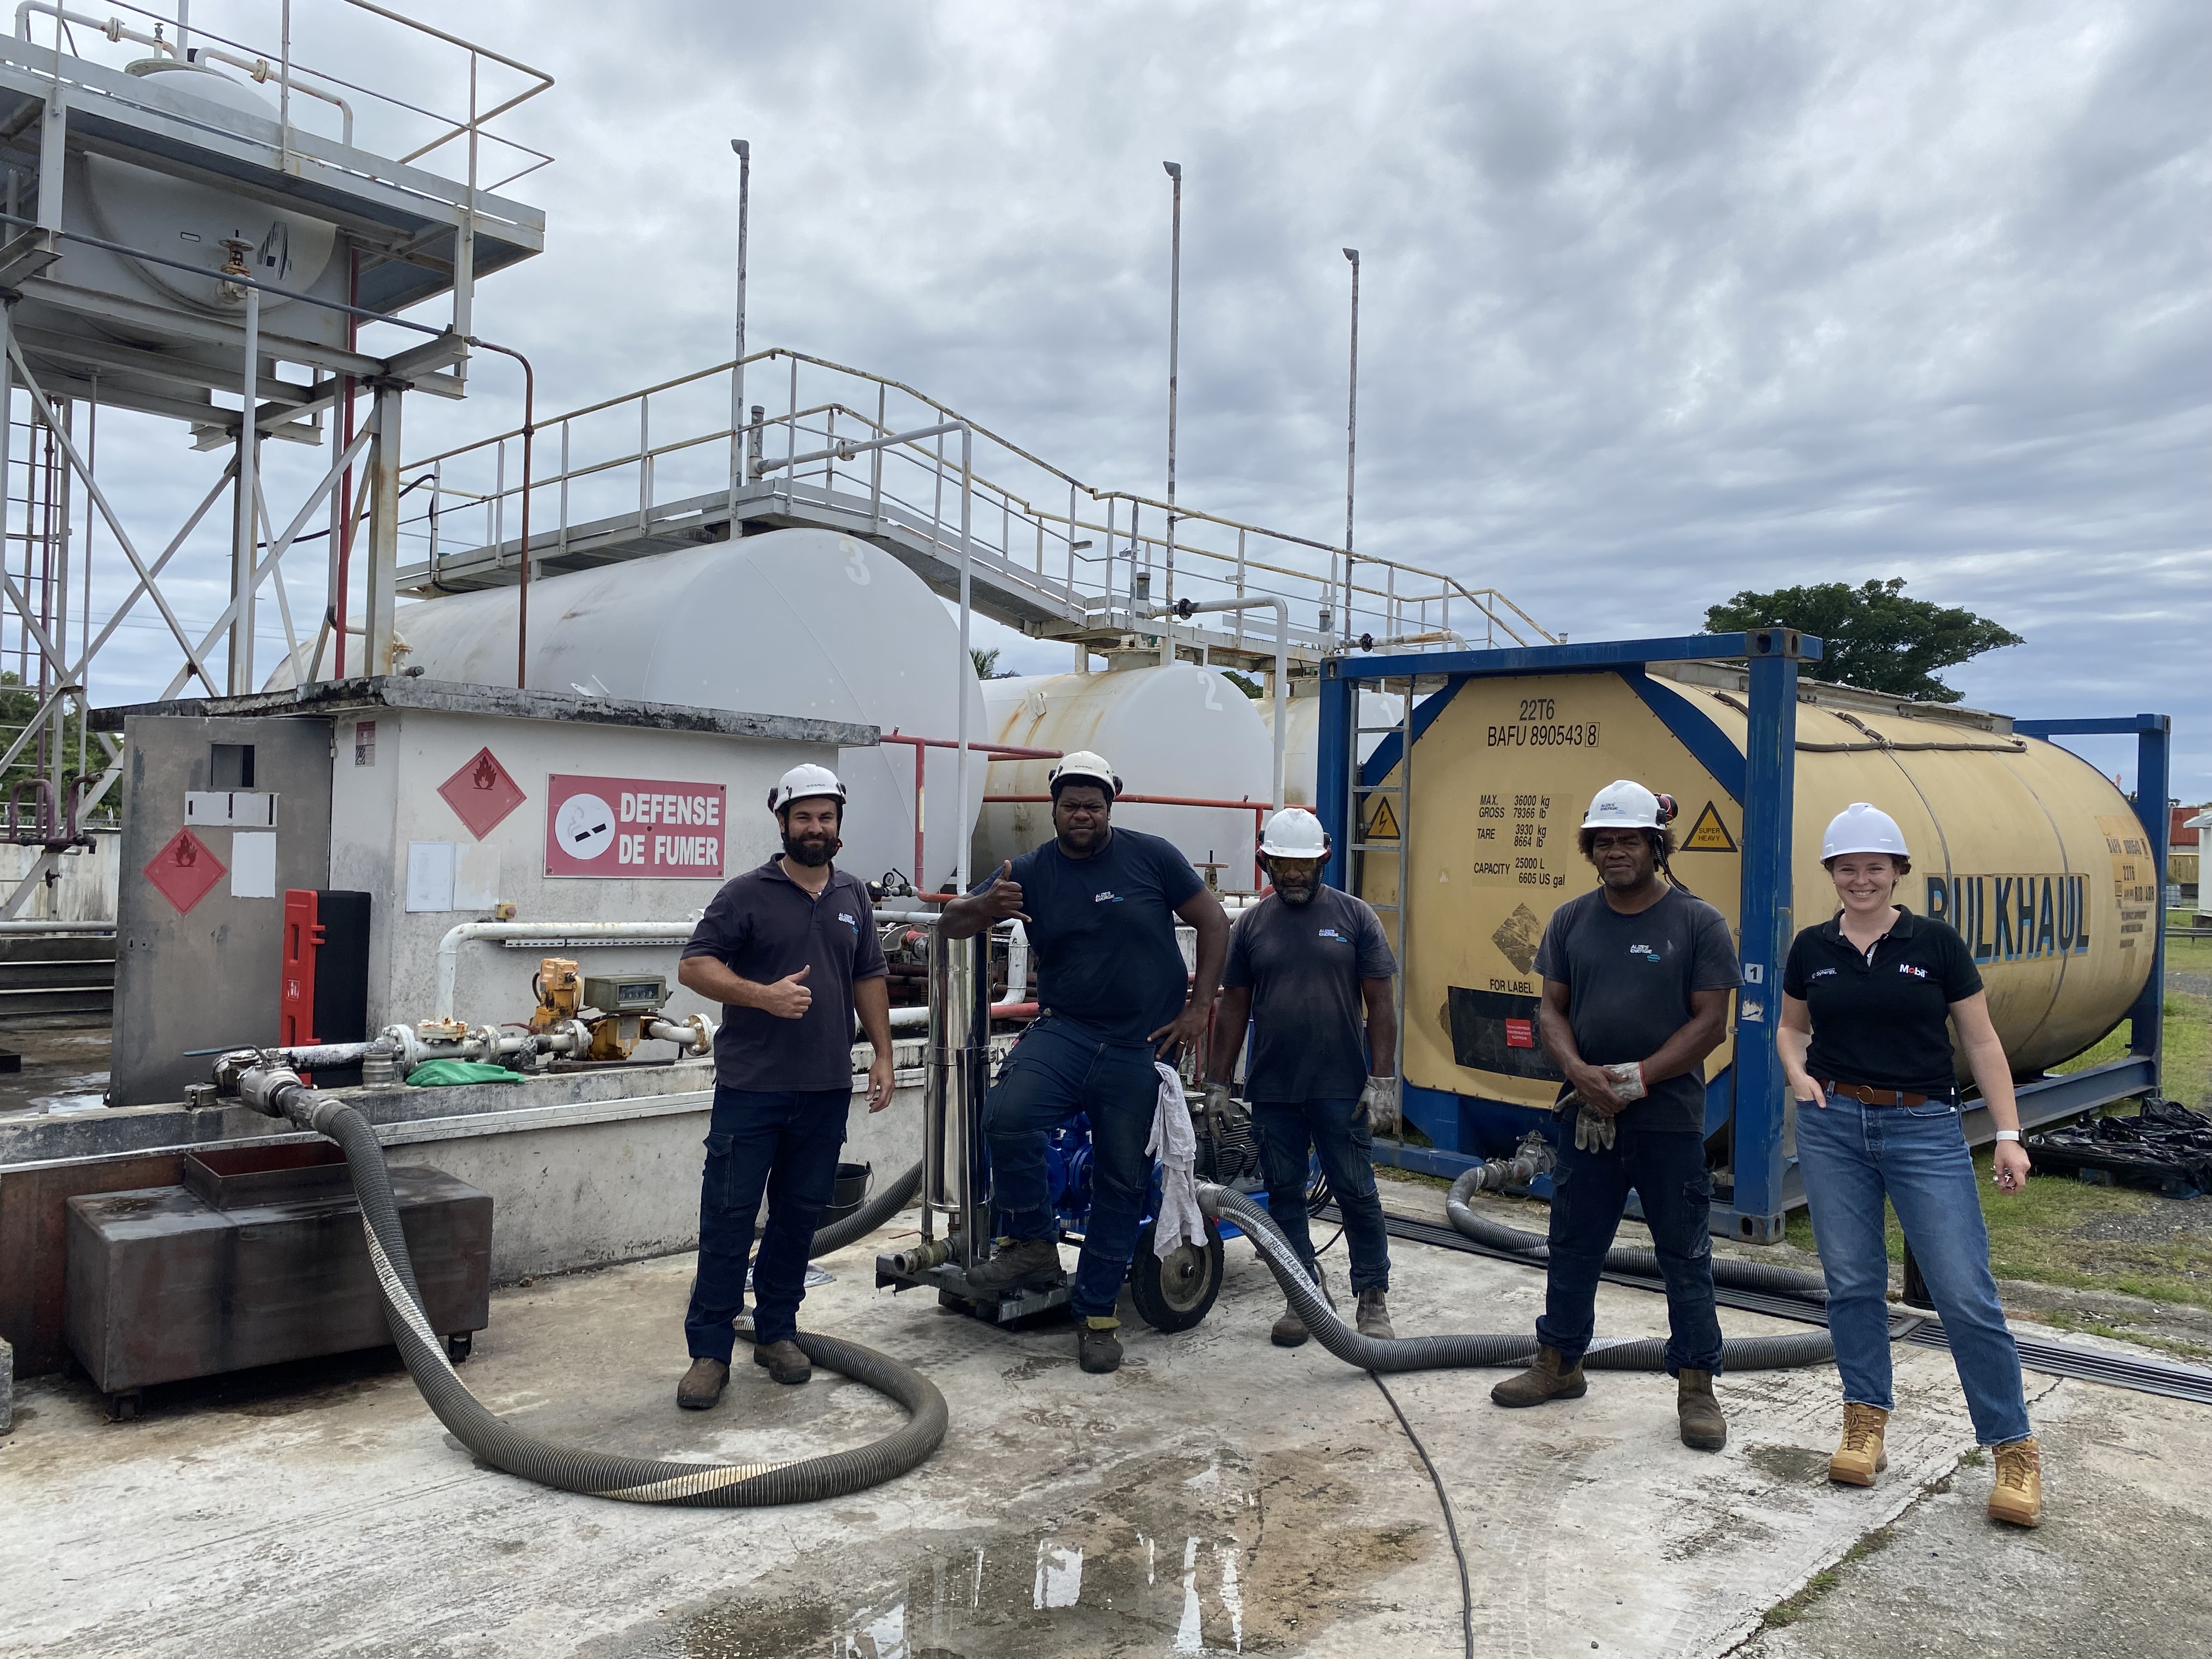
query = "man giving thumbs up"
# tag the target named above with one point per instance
(790, 952)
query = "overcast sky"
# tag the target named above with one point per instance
(1658, 302)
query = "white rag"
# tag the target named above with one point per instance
(1175, 1144)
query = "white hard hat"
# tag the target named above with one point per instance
(1627, 805)
(1085, 765)
(1295, 832)
(802, 781)
(1860, 828)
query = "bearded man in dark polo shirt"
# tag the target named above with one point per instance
(1101, 906)
(1636, 977)
(790, 952)
(1310, 968)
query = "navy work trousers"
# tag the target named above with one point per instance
(1589, 1190)
(1054, 1072)
(783, 1143)
(1335, 1129)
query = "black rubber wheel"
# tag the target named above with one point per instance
(458, 1344)
(1174, 1295)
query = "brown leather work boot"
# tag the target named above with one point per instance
(1860, 1457)
(1374, 1315)
(784, 1363)
(1289, 1331)
(1704, 1428)
(2017, 1497)
(1018, 1263)
(701, 1386)
(1547, 1379)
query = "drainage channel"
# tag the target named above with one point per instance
(2172, 1380)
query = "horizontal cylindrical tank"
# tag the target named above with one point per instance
(2028, 850)
(1302, 737)
(1177, 729)
(798, 622)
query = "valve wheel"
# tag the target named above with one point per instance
(1174, 1294)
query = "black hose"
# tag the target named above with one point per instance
(631, 1480)
(1737, 1274)
(1427, 1353)
(869, 1217)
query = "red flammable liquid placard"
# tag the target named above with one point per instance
(185, 871)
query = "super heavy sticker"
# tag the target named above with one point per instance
(641, 827)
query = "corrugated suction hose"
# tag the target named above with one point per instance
(597, 1474)
(869, 1217)
(1727, 1270)
(1429, 1353)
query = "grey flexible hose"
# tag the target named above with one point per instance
(631, 1480)
(869, 1217)
(1428, 1353)
(1727, 1270)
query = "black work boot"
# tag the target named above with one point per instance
(1096, 1348)
(784, 1360)
(1547, 1379)
(1019, 1263)
(701, 1385)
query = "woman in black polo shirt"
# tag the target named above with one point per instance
(1864, 1040)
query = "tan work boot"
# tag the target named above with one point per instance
(1547, 1379)
(785, 1361)
(1289, 1331)
(701, 1386)
(1704, 1428)
(1374, 1315)
(1860, 1457)
(2017, 1498)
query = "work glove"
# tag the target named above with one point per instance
(1218, 1115)
(1594, 1130)
(1378, 1106)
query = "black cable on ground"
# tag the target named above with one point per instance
(630, 1479)
(1451, 1525)
(1727, 1270)
(1420, 1353)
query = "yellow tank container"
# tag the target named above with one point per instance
(2029, 851)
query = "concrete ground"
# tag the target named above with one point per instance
(1217, 1496)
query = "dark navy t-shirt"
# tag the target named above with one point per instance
(764, 926)
(1102, 929)
(1629, 980)
(1304, 964)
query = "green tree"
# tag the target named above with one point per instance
(986, 662)
(18, 703)
(1875, 637)
(1245, 682)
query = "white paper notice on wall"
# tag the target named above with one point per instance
(235, 809)
(430, 875)
(476, 876)
(253, 864)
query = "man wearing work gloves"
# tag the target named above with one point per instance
(790, 952)
(1636, 977)
(1101, 906)
(1310, 967)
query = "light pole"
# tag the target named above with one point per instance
(744, 150)
(1351, 437)
(1175, 342)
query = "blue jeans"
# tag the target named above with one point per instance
(1850, 1156)
(1287, 1132)
(1589, 1190)
(784, 1143)
(1054, 1072)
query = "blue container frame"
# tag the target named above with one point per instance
(1748, 1099)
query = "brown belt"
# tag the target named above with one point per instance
(1867, 1096)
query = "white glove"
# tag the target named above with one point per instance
(1378, 1106)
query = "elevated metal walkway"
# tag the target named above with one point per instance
(1057, 558)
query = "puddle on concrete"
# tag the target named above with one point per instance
(1186, 1557)
(1793, 1464)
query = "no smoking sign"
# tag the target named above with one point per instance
(650, 828)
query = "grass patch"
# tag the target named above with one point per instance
(2187, 1070)
(1787, 1613)
(2059, 1319)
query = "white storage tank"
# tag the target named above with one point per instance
(1301, 736)
(1176, 729)
(797, 622)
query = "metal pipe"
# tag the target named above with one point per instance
(245, 522)
(594, 932)
(1175, 347)
(1351, 436)
(745, 151)
(522, 549)
(1282, 609)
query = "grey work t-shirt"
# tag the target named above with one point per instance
(1304, 964)
(1629, 980)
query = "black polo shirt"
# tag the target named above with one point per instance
(764, 926)
(1883, 1021)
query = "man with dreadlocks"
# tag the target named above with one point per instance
(1637, 976)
